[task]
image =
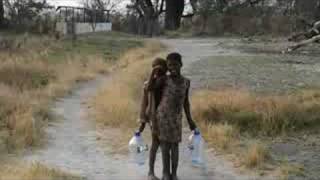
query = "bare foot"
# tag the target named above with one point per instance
(166, 177)
(174, 177)
(152, 177)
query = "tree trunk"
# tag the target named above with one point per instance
(1, 14)
(144, 26)
(174, 10)
(150, 27)
(204, 25)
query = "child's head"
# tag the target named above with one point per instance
(174, 63)
(161, 64)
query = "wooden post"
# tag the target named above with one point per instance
(84, 15)
(108, 15)
(66, 15)
(74, 33)
(60, 15)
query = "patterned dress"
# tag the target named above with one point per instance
(169, 112)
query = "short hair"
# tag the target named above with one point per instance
(159, 61)
(175, 57)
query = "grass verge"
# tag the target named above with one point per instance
(230, 120)
(286, 170)
(40, 69)
(266, 115)
(34, 171)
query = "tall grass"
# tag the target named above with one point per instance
(286, 171)
(222, 136)
(229, 119)
(40, 70)
(266, 115)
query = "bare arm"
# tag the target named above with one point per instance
(142, 126)
(154, 81)
(187, 108)
(143, 108)
(144, 105)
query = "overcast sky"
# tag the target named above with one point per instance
(78, 3)
(64, 2)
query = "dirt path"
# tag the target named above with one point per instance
(73, 144)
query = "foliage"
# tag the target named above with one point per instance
(23, 13)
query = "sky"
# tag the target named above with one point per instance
(64, 2)
(78, 3)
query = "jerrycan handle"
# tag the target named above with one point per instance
(196, 132)
(137, 134)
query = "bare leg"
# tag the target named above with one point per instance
(165, 148)
(174, 159)
(152, 158)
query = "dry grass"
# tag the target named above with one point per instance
(286, 170)
(222, 136)
(28, 85)
(35, 171)
(117, 104)
(230, 119)
(268, 115)
(39, 71)
(256, 155)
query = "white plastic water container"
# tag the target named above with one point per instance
(137, 149)
(196, 148)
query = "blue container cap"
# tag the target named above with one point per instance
(196, 132)
(137, 133)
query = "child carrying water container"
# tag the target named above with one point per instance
(150, 102)
(175, 91)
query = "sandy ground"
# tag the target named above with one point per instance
(73, 143)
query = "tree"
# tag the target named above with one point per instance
(205, 8)
(148, 12)
(96, 10)
(174, 12)
(1, 13)
(99, 7)
(308, 9)
(24, 12)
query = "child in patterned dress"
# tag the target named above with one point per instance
(174, 99)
